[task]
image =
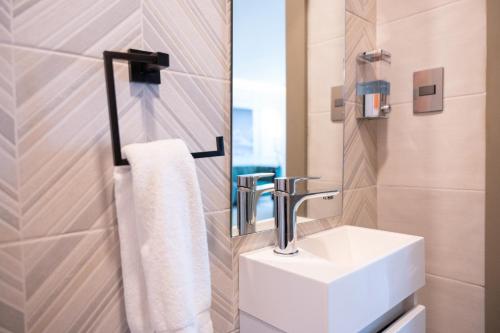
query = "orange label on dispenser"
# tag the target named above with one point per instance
(376, 101)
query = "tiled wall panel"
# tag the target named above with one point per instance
(10, 222)
(452, 306)
(73, 283)
(360, 144)
(81, 27)
(194, 32)
(11, 289)
(195, 109)
(431, 167)
(449, 222)
(5, 20)
(65, 165)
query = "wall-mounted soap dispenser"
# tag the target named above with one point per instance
(372, 86)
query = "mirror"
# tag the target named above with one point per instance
(287, 105)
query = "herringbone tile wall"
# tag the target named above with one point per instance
(59, 254)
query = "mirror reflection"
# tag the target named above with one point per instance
(287, 107)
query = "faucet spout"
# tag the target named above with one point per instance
(286, 203)
(326, 195)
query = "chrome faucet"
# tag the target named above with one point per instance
(247, 196)
(286, 203)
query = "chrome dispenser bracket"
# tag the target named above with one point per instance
(372, 86)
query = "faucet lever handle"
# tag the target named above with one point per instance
(250, 180)
(288, 184)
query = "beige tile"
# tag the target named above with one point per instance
(65, 163)
(438, 150)
(360, 150)
(320, 208)
(452, 306)
(10, 223)
(196, 34)
(453, 37)
(452, 223)
(361, 37)
(366, 9)
(73, 282)
(325, 148)
(360, 207)
(360, 137)
(312, 227)
(326, 20)
(7, 101)
(325, 70)
(197, 111)
(79, 27)
(11, 289)
(5, 20)
(390, 10)
(219, 246)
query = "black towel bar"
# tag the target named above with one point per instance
(143, 67)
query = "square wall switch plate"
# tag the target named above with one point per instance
(428, 90)
(337, 104)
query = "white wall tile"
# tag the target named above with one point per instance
(451, 221)
(438, 150)
(452, 306)
(453, 37)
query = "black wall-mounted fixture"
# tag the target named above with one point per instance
(144, 67)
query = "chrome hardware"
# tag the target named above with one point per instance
(286, 202)
(246, 199)
(372, 86)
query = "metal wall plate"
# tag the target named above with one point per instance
(337, 104)
(428, 90)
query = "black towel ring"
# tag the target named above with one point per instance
(143, 67)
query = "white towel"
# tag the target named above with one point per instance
(163, 240)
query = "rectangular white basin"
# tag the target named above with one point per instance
(341, 280)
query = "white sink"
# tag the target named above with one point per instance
(341, 280)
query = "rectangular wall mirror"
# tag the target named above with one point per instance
(287, 106)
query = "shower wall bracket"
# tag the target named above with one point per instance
(372, 86)
(144, 67)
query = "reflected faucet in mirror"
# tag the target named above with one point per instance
(287, 201)
(248, 195)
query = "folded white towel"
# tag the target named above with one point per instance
(163, 240)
